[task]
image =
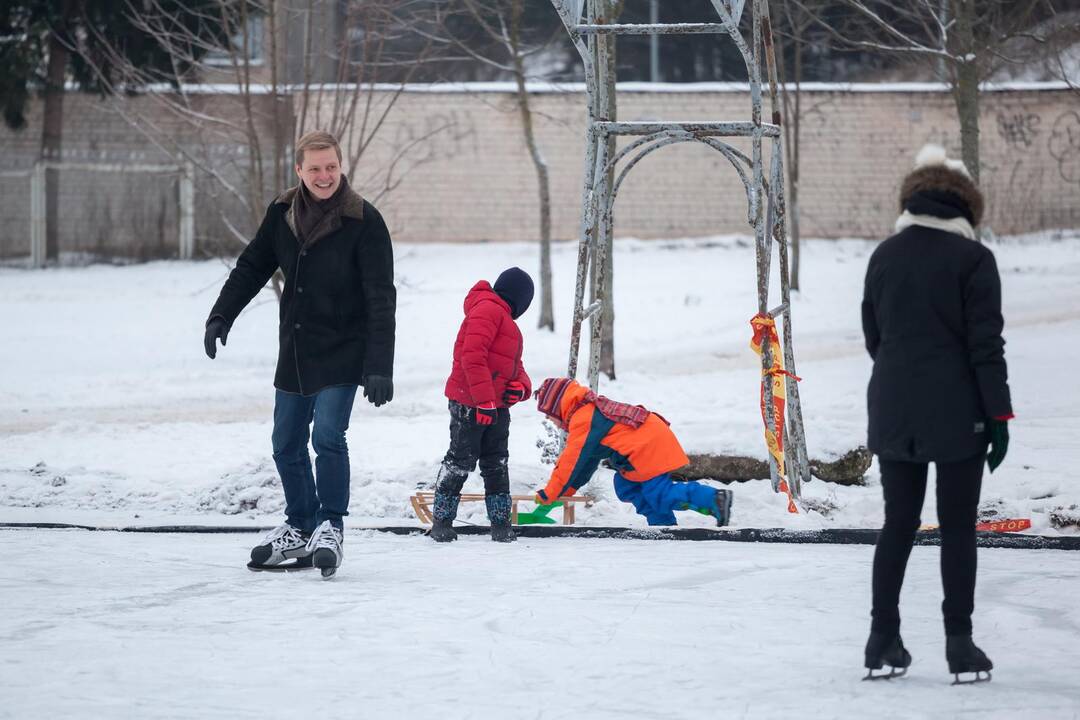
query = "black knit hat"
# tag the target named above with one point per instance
(516, 288)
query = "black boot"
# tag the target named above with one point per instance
(443, 514)
(965, 657)
(881, 650)
(498, 508)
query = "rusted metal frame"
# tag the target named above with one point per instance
(732, 154)
(586, 244)
(653, 29)
(732, 22)
(587, 50)
(705, 129)
(795, 449)
(570, 21)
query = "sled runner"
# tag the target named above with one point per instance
(421, 503)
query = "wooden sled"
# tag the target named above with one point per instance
(421, 503)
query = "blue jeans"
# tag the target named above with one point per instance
(307, 505)
(657, 498)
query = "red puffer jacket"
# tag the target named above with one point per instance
(487, 352)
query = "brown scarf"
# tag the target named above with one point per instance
(314, 218)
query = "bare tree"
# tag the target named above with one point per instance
(962, 41)
(506, 50)
(257, 117)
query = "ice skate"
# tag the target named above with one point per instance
(326, 548)
(284, 542)
(965, 657)
(884, 650)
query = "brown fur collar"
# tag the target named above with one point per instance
(943, 179)
(353, 206)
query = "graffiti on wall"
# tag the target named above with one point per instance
(1018, 129)
(1064, 145)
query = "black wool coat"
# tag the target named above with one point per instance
(931, 315)
(337, 306)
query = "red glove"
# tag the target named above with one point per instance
(486, 414)
(515, 392)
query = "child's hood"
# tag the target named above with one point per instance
(483, 292)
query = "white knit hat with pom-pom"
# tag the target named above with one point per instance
(932, 154)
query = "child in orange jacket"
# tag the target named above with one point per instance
(637, 443)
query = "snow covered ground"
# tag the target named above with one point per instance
(111, 413)
(110, 625)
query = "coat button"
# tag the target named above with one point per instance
(299, 289)
(297, 326)
(303, 253)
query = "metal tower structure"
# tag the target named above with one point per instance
(765, 197)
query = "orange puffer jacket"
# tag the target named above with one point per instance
(638, 454)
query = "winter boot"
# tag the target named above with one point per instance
(282, 543)
(326, 545)
(881, 650)
(724, 499)
(443, 514)
(498, 509)
(965, 657)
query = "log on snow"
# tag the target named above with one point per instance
(849, 469)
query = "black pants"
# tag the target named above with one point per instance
(471, 443)
(904, 484)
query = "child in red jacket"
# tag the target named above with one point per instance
(486, 379)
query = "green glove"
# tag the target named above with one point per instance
(999, 443)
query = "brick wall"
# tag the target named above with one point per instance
(474, 180)
(459, 170)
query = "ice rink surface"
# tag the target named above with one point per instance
(118, 625)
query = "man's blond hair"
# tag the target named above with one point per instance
(316, 140)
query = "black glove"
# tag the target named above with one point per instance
(999, 443)
(216, 328)
(378, 389)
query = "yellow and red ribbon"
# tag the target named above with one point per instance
(765, 331)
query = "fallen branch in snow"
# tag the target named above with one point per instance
(848, 469)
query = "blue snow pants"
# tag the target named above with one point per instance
(657, 498)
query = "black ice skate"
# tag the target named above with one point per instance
(327, 548)
(884, 650)
(965, 657)
(282, 543)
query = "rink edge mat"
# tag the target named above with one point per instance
(832, 536)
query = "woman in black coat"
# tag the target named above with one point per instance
(931, 316)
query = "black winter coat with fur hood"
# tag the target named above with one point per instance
(336, 315)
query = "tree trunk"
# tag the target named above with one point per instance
(792, 123)
(611, 11)
(547, 313)
(966, 87)
(52, 134)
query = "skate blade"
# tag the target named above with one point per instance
(328, 572)
(303, 563)
(893, 673)
(973, 681)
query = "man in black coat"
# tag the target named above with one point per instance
(336, 332)
(932, 320)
